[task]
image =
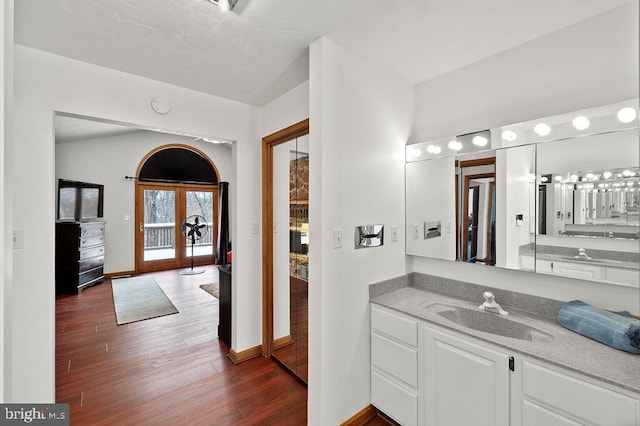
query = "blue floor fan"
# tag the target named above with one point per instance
(194, 228)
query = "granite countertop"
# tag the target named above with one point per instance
(568, 349)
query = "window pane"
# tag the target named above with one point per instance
(159, 225)
(201, 203)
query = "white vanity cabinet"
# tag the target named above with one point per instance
(543, 394)
(394, 364)
(464, 383)
(425, 374)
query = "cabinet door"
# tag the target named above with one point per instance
(465, 383)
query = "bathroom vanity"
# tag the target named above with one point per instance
(436, 359)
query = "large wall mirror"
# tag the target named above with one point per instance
(557, 195)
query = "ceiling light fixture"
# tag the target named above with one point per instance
(581, 122)
(627, 115)
(225, 5)
(542, 129)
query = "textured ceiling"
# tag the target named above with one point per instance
(260, 50)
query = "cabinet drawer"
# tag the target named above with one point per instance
(89, 276)
(395, 359)
(90, 263)
(88, 229)
(391, 324)
(576, 398)
(534, 415)
(91, 240)
(392, 399)
(91, 252)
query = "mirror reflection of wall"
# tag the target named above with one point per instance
(588, 197)
(431, 198)
(290, 253)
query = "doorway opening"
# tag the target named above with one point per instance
(173, 183)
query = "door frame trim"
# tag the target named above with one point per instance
(268, 143)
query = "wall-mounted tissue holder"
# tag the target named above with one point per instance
(369, 236)
(432, 229)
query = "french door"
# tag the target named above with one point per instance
(161, 210)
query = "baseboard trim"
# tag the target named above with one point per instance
(282, 341)
(362, 417)
(238, 357)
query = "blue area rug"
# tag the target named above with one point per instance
(139, 298)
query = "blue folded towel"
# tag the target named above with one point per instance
(619, 331)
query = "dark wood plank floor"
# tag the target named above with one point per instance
(167, 370)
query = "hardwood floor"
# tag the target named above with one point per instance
(167, 370)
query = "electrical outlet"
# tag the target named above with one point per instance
(254, 228)
(337, 238)
(394, 233)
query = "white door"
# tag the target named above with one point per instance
(464, 383)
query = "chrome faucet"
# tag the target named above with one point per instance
(490, 304)
(582, 254)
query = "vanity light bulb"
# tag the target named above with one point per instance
(544, 179)
(627, 115)
(558, 178)
(607, 175)
(626, 173)
(415, 152)
(434, 149)
(509, 135)
(581, 122)
(574, 178)
(455, 145)
(542, 129)
(480, 140)
(590, 176)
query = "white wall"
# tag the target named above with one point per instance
(6, 194)
(46, 83)
(288, 109)
(71, 163)
(592, 63)
(360, 120)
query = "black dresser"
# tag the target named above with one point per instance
(79, 255)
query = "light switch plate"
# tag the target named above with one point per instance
(394, 233)
(416, 231)
(337, 238)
